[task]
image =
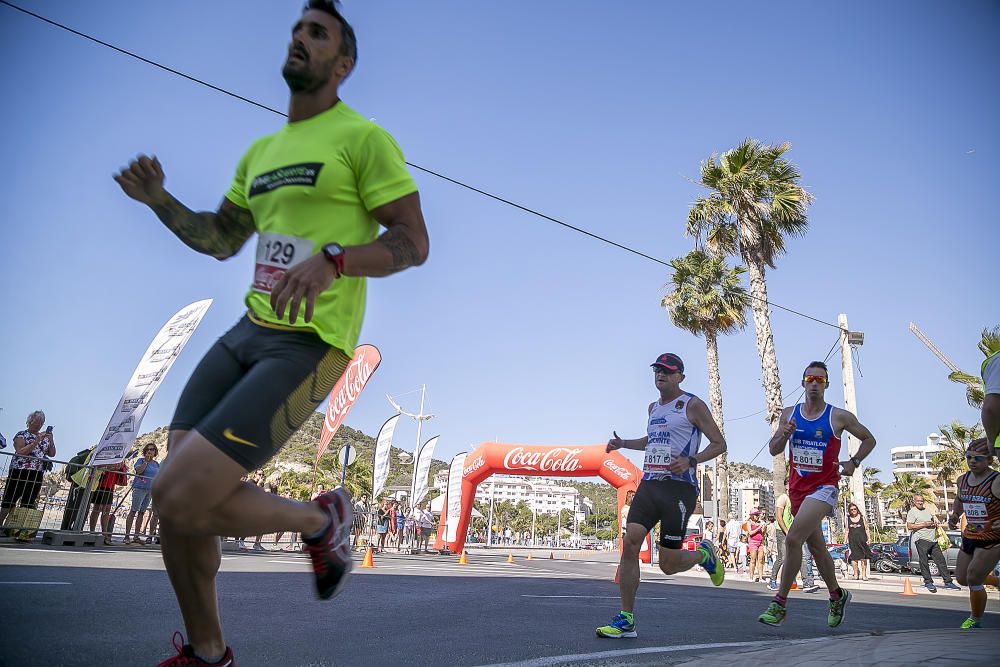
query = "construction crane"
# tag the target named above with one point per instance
(933, 348)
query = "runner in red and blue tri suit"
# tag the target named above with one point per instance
(812, 430)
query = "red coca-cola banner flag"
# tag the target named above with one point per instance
(346, 391)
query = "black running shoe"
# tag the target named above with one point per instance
(331, 552)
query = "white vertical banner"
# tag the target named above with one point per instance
(118, 437)
(383, 446)
(455, 474)
(423, 470)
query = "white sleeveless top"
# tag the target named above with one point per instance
(671, 436)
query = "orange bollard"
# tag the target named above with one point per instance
(368, 561)
(510, 558)
(907, 587)
(464, 560)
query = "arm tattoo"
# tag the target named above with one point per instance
(219, 234)
(404, 251)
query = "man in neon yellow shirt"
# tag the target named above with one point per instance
(991, 400)
(315, 192)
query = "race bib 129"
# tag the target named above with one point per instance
(276, 254)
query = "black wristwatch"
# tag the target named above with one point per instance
(693, 462)
(856, 461)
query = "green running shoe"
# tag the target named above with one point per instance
(774, 615)
(711, 563)
(620, 627)
(970, 624)
(837, 608)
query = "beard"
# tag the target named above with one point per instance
(303, 77)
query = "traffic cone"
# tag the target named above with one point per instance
(510, 558)
(368, 562)
(795, 586)
(551, 556)
(907, 587)
(464, 560)
(529, 556)
(616, 573)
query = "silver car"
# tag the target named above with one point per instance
(950, 556)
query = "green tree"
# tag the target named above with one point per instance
(707, 298)
(957, 436)
(901, 491)
(755, 203)
(975, 392)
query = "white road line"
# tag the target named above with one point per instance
(590, 597)
(35, 583)
(605, 655)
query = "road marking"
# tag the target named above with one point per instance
(590, 597)
(35, 583)
(605, 655)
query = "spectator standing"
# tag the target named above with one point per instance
(145, 470)
(732, 535)
(32, 447)
(426, 527)
(623, 517)
(400, 524)
(741, 553)
(858, 541)
(360, 518)
(783, 522)
(923, 538)
(103, 496)
(754, 530)
(382, 527)
(770, 543)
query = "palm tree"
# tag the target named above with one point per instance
(755, 203)
(949, 464)
(957, 436)
(900, 493)
(707, 298)
(989, 344)
(872, 484)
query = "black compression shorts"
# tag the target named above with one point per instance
(669, 502)
(969, 545)
(255, 387)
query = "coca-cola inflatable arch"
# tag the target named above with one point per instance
(492, 458)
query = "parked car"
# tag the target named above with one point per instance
(950, 556)
(837, 551)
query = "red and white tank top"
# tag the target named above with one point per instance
(815, 454)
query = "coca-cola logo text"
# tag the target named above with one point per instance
(476, 465)
(557, 459)
(618, 470)
(355, 377)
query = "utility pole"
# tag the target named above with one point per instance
(849, 339)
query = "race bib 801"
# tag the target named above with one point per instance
(807, 457)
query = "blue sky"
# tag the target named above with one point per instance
(592, 112)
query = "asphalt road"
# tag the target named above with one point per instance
(114, 606)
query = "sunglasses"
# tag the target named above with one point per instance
(660, 370)
(814, 378)
(976, 457)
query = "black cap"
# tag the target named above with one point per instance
(670, 361)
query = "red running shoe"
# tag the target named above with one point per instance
(331, 551)
(185, 656)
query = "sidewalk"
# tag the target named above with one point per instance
(883, 583)
(906, 647)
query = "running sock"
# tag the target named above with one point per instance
(211, 661)
(704, 555)
(315, 537)
(837, 594)
(780, 599)
(628, 616)
(978, 597)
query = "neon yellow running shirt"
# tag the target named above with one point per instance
(311, 183)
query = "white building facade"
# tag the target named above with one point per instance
(916, 460)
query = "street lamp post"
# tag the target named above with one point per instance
(420, 419)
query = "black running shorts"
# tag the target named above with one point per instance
(255, 387)
(669, 502)
(970, 545)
